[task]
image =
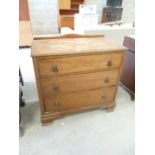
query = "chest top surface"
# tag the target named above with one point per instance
(63, 46)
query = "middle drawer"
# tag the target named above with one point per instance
(78, 82)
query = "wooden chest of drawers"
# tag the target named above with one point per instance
(75, 74)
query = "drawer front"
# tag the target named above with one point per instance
(79, 99)
(79, 82)
(65, 65)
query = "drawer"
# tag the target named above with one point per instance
(65, 65)
(78, 82)
(79, 99)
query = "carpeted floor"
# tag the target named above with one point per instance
(88, 133)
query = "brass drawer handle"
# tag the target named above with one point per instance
(55, 68)
(56, 104)
(109, 63)
(103, 97)
(106, 80)
(56, 87)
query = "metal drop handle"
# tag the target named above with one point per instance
(106, 80)
(56, 103)
(109, 63)
(103, 97)
(55, 68)
(56, 87)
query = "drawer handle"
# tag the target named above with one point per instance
(103, 97)
(56, 104)
(55, 68)
(106, 80)
(109, 63)
(56, 87)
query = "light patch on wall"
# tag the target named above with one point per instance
(44, 16)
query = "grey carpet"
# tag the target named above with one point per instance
(93, 132)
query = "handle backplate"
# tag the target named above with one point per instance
(56, 104)
(109, 63)
(55, 68)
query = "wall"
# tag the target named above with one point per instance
(128, 9)
(115, 34)
(43, 16)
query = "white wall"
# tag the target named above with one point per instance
(43, 16)
(128, 10)
(116, 34)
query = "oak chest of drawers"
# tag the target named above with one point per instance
(76, 74)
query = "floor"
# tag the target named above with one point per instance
(94, 132)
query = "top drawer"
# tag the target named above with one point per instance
(65, 65)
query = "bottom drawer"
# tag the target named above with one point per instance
(79, 99)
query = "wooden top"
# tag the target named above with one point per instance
(79, 45)
(129, 42)
(25, 34)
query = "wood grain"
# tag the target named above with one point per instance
(65, 4)
(79, 82)
(48, 117)
(73, 77)
(39, 90)
(66, 21)
(66, 65)
(78, 99)
(50, 47)
(128, 72)
(25, 33)
(129, 42)
(64, 36)
(23, 10)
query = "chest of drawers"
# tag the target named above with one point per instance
(76, 74)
